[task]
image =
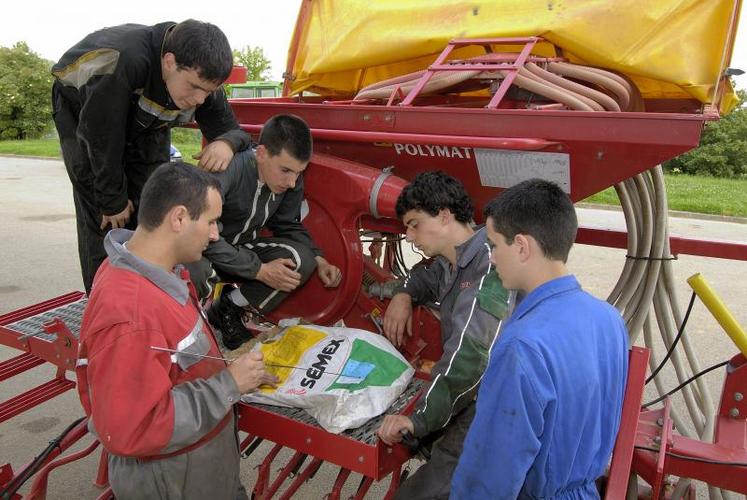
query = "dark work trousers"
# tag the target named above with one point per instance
(260, 296)
(142, 155)
(433, 479)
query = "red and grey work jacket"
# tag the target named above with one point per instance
(143, 402)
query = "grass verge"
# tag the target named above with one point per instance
(690, 193)
(50, 148)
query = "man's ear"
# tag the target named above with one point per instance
(177, 218)
(445, 216)
(524, 246)
(261, 153)
(169, 63)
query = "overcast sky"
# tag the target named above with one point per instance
(50, 27)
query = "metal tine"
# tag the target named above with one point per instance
(230, 360)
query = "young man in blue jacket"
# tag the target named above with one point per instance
(549, 406)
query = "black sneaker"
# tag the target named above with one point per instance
(225, 316)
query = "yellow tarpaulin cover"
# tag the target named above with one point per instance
(670, 48)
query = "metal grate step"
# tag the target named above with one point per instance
(71, 314)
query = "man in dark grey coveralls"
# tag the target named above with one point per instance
(262, 189)
(437, 213)
(115, 97)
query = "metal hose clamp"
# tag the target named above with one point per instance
(386, 172)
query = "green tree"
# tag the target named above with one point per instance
(25, 97)
(723, 147)
(254, 60)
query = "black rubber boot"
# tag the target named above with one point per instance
(225, 316)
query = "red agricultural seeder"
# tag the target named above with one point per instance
(491, 119)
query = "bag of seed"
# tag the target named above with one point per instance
(342, 377)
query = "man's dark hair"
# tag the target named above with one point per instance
(202, 47)
(170, 185)
(433, 191)
(537, 208)
(289, 133)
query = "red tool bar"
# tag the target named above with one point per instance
(520, 144)
(707, 248)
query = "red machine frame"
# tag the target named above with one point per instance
(345, 195)
(723, 463)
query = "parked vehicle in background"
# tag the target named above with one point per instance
(254, 89)
(174, 153)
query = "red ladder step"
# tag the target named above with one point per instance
(19, 364)
(34, 397)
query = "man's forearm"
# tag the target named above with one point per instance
(199, 406)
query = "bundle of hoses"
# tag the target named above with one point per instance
(645, 292)
(646, 296)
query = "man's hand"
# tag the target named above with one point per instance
(329, 274)
(120, 219)
(392, 427)
(248, 370)
(398, 318)
(215, 157)
(279, 274)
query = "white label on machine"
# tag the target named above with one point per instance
(505, 168)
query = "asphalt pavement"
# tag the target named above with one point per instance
(39, 261)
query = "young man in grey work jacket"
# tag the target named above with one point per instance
(437, 213)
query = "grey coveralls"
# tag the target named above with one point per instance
(248, 207)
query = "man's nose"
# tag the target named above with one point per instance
(199, 97)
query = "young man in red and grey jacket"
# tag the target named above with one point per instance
(162, 411)
(459, 282)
